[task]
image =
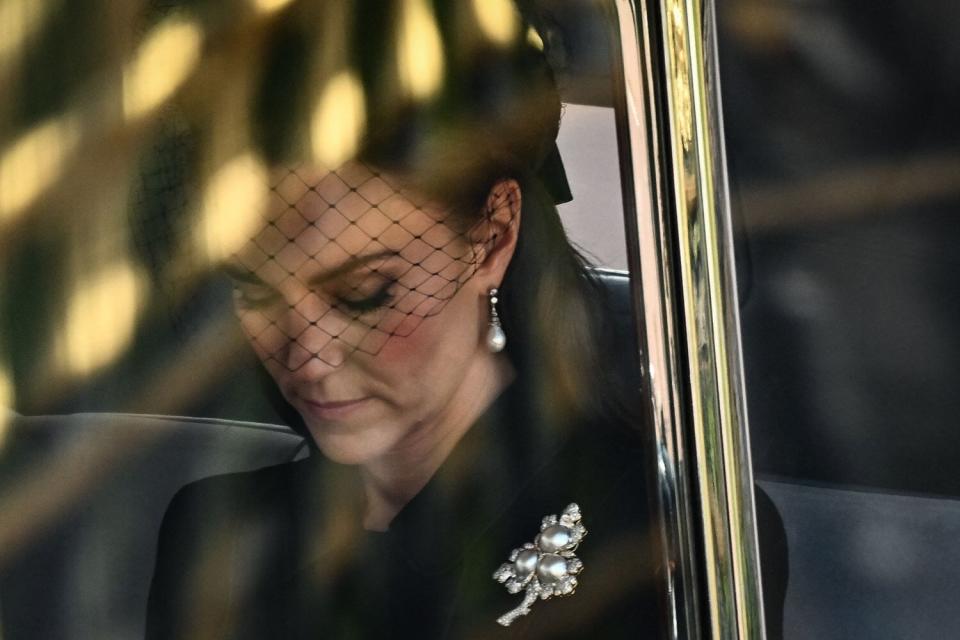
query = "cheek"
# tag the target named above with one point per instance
(413, 341)
(264, 336)
(442, 342)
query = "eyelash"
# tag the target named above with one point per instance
(380, 298)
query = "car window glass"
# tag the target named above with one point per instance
(843, 144)
(179, 288)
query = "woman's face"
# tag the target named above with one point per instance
(364, 305)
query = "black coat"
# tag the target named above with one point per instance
(276, 553)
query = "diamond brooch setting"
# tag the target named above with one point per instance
(546, 567)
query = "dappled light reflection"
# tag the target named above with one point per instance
(497, 19)
(20, 20)
(6, 403)
(101, 318)
(861, 191)
(163, 62)
(534, 38)
(233, 202)
(269, 6)
(419, 50)
(35, 162)
(338, 120)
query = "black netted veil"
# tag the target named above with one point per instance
(343, 258)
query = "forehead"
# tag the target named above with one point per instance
(324, 217)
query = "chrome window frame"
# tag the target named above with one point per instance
(680, 246)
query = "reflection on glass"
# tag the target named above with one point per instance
(6, 402)
(232, 201)
(34, 162)
(161, 64)
(254, 259)
(339, 120)
(100, 319)
(21, 19)
(844, 150)
(419, 57)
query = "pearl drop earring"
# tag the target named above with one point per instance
(496, 338)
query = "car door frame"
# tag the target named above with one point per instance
(680, 250)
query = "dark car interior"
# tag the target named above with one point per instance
(844, 159)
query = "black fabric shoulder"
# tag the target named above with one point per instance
(205, 524)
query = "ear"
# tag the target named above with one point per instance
(499, 232)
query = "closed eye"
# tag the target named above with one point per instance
(382, 297)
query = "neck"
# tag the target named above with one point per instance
(391, 481)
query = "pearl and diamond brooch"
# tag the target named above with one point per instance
(547, 566)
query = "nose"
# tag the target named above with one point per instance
(314, 346)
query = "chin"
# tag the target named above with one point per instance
(349, 449)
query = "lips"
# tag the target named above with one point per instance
(326, 410)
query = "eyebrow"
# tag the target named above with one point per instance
(243, 274)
